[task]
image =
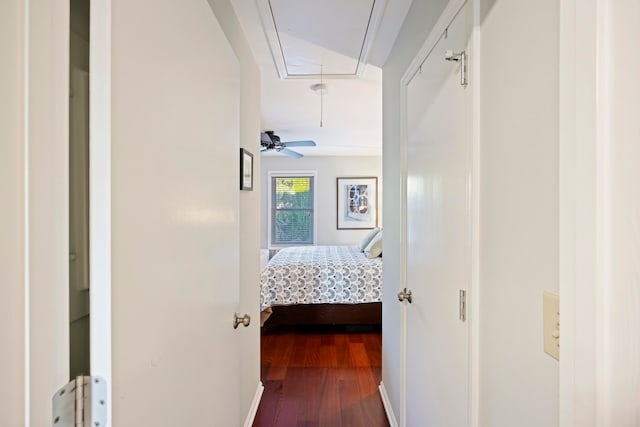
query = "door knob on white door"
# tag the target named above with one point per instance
(405, 295)
(244, 320)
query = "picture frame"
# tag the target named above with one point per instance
(246, 170)
(356, 203)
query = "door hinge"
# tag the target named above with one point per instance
(81, 403)
(463, 305)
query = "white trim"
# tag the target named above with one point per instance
(448, 15)
(100, 190)
(272, 37)
(403, 247)
(26, 194)
(46, 77)
(388, 409)
(403, 250)
(600, 342)
(567, 205)
(579, 184)
(273, 40)
(253, 409)
(372, 30)
(311, 173)
(403, 346)
(474, 292)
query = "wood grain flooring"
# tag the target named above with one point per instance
(321, 378)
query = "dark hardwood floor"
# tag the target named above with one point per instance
(321, 378)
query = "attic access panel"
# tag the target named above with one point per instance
(305, 34)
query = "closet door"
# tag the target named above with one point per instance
(438, 252)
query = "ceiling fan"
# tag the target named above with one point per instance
(270, 141)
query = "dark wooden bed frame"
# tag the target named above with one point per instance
(325, 314)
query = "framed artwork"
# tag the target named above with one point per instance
(357, 203)
(246, 170)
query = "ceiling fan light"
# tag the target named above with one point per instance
(319, 88)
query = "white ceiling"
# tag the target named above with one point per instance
(307, 35)
(331, 33)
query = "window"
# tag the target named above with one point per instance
(292, 216)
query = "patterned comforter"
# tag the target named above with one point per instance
(320, 274)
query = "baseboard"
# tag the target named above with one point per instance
(387, 406)
(254, 406)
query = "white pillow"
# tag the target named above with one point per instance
(368, 238)
(374, 248)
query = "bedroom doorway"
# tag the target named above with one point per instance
(321, 339)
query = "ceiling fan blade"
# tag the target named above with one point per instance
(291, 153)
(300, 144)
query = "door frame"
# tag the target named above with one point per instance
(473, 294)
(100, 191)
(583, 141)
(45, 104)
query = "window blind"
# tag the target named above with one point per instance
(292, 213)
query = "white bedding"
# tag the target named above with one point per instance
(264, 258)
(320, 274)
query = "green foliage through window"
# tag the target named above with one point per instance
(291, 210)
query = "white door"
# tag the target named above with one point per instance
(164, 226)
(175, 105)
(439, 167)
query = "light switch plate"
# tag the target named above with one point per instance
(551, 324)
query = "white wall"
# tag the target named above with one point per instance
(518, 210)
(328, 168)
(418, 23)
(12, 336)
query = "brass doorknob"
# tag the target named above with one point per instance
(244, 320)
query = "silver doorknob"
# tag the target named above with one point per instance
(244, 320)
(405, 295)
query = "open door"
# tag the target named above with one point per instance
(165, 261)
(171, 115)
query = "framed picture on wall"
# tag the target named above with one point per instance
(246, 170)
(357, 202)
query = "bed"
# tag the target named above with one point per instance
(336, 285)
